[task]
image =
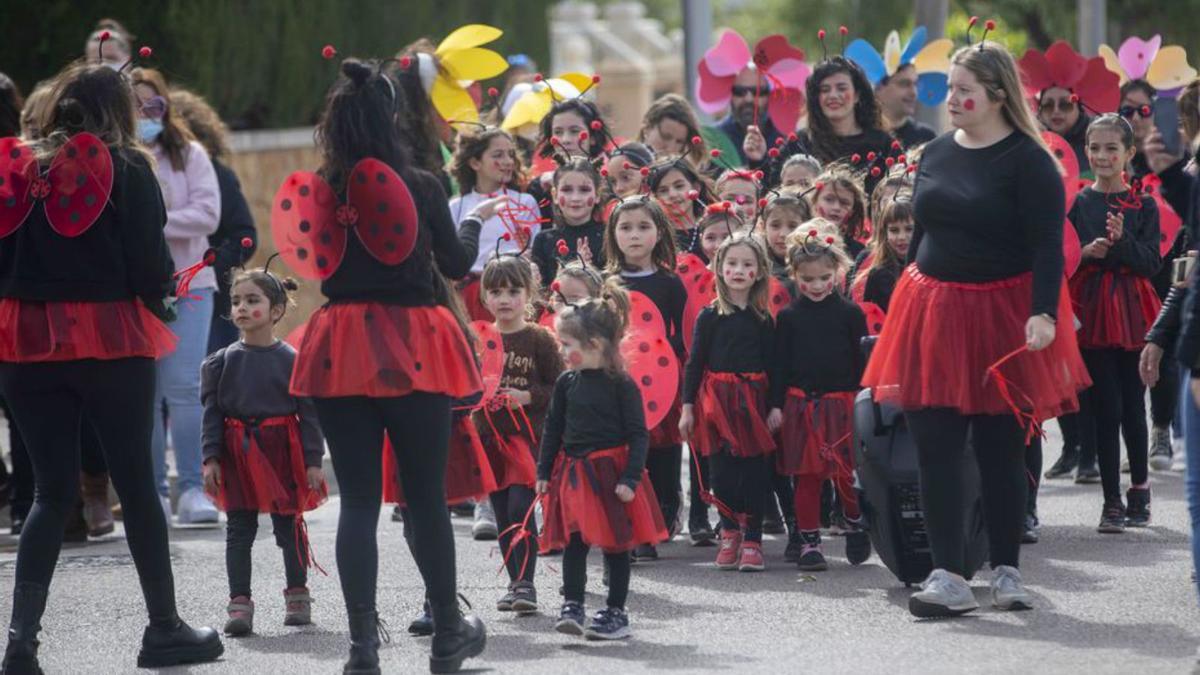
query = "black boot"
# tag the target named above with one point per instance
(422, 626)
(20, 657)
(366, 632)
(1066, 463)
(456, 636)
(168, 641)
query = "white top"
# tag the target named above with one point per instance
(525, 210)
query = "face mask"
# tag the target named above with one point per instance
(148, 129)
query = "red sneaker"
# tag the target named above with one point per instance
(750, 558)
(727, 552)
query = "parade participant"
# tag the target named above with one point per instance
(681, 193)
(486, 168)
(575, 191)
(262, 447)
(887, 253)
(956, 379)
(781, 215)
(816, 365)
(1116, 305)
(640, 250)
(382, 356)
(510, 424)
(80, 289)
(668, 128)
(799, 172)
(740, 188)
(845, 120)
(902, 76)
(592, 464)
(725, 394)
(626, 171)
(109, 44)
(715, 227)
(839, 199)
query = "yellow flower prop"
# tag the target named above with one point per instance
(460, 60)
(536, 103)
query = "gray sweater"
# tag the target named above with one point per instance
(247, 382)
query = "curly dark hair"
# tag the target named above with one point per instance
(866, 110)
(360, 120)
(473, 146)
(586, 110)
(11, 103)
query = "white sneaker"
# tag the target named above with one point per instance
(942, 594)
(195, 508)
(484, 528)
(165, 502)
(1007, 592)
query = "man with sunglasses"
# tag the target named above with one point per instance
(750, 91)
(1058, 113)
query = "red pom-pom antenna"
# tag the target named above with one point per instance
(493, 92)
(645, 171)
(974, 20)
(855, 158)
(584, 135)
(595, 79)
(604, 172)
(758, 175)
(903, 159)
(896, 145)
(889, 162)
(818, 186)
(145, 52)
(715, 153)
(328, 52)
(762, 203)
(247, 242)
(830, 240)
(821, 34)
(405, 62)
(989, 25)
(875, 171)
(871, 156)
(507, 236)
(696, 140)
(1074, 98)
(779, 142)
(813, 233)
(773, 153)
(537, 77)
(693, 195)
(843, 31)
(556, 286)
(596, 125)
(105, 36)
(562, 249)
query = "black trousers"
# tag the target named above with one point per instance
(743, 484)
(510, 506)
(418, 426)
(697, 507)
(1164, 395)
(662, 466)
(1115, 407)
(574, 564)
(999, 443)
(240, 532)
(21, 476)
(50, 402)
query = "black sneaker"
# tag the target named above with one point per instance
(1138, 512)
(1112, 518)
(1087, 475)
(1065, 465)
(795, 544)
(1029, 535)
(422, 626)
(772, 524)
(505, 603)
(524, 598)
(700, 533)
(570, 619)
(811, 557)
(858, 543)
(645, 553)
(611, 623)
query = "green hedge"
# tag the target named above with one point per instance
(258, 61)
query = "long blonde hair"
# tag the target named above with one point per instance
(997, 72)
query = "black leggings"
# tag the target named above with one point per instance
(240, 532)
(419, 428)
(743, 484)
(697, 507)
(1033, 470)
(999, 442)
(662, 466)
(782, 493)
(50, 402)
(574, 564)
(21, 497)
(1164, 395)
(510, 506)
(1114, 407)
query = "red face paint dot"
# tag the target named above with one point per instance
(969, 104)
(256, 314)
(575, 359)
(591, 201)
(804, 287)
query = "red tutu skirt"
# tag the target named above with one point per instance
(33, 331)
(1115, 308)
(472, 299)
(377, 350)
(817, 434)
(511, 459)
(468, 472)
(582, 499)
(731, 413)
(667, 433)
(262, 468)
(941, 337)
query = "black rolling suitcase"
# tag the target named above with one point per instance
(890, 497)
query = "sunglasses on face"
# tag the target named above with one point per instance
(739, 90)
(154, 107)
(1143, 111)
(1065, 105)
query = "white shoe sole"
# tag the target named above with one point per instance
(1161, 462)
(1013, 605)
(619, 635)
(568, 627)
(484, 532)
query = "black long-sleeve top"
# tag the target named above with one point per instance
(236, 224)
(817, 347)
(913, 133)
(594, 410)
(361, 277)
(668, 293)
(1137, 248)
(741, 342)
(1180, 191)
(990, 213)
(880, 283)
(544, 249)
(122, 256)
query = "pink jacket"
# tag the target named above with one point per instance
(193, 201)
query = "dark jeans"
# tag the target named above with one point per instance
(999, 443)
(510, 506)
(1164, 395)
(743, 484)
(1115, 407)
(240, 532)
(50, 402)
(574, 564)
(662, 466)
(419, 428)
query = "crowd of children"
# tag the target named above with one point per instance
(629, 299)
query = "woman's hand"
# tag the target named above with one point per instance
(1149, 362)
(1156, 153)
(212, 476)
(754, 145)
(624, 493)
(687, 421)
(774, 420)
(1039, 332)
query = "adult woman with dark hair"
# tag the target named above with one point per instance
(193, 199)
(668, 128)
(988, 204)
(78, 341)
(11, 103)
(236, 224)
(383, 357)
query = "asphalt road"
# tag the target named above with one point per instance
(1105, 604)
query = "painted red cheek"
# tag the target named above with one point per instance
(562, 201)
(804, 287)
(575, 358)
(591, 201)
(969, 104)
(753, 274)
(257, 314)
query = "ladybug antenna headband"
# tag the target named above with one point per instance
(143, 52)
(842, 30)
(988, 26)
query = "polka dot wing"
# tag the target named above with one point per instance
(649, 358)
(80, 181)
(18, 171)
(777, 296)
(305, 228)
(699, 282)
(491, 357)
(384, 212)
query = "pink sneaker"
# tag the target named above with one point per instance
(727, 551)
(241, 617)
(750, 559)
(298, 611)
